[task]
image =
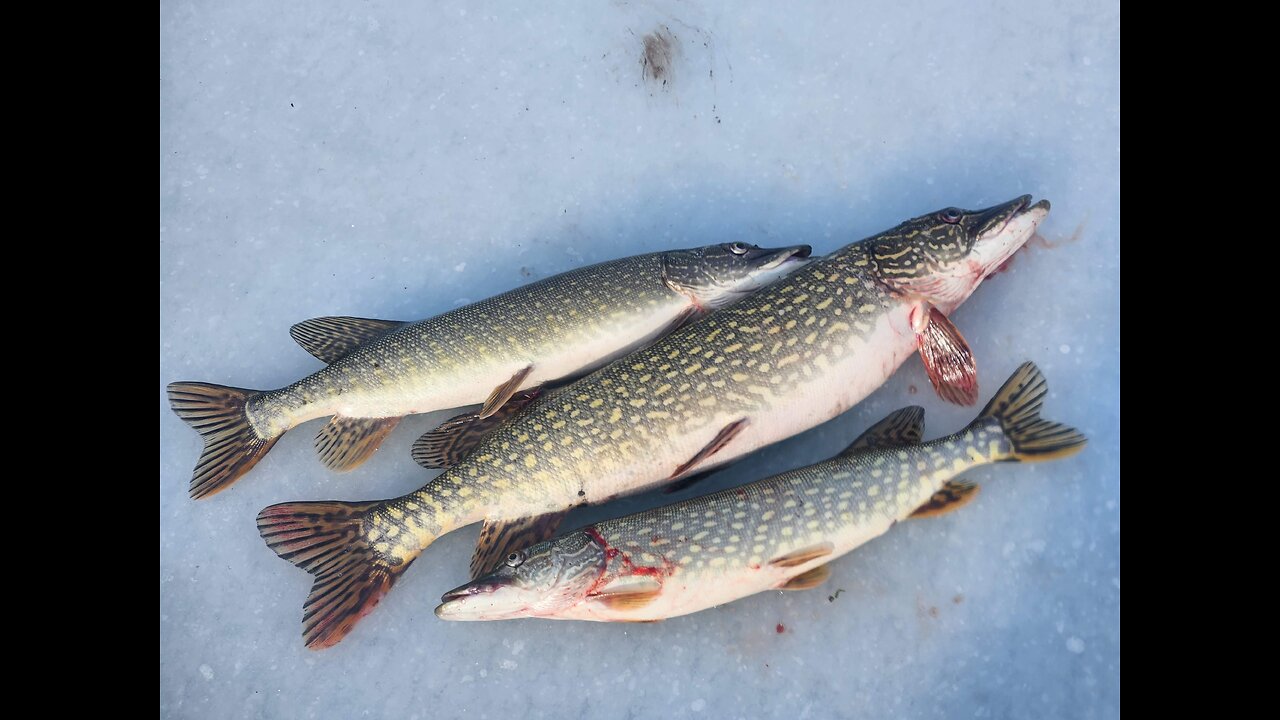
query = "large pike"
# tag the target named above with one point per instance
(782, 360)
(382, 370)
(780, 533)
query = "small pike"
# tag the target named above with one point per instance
(381, 370)
(787, 358)
(778, 533)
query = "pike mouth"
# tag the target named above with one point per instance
(475, 602)
(799, 252)
(469, 590)
(1009, 227)
(1022, 203)
(997, 219)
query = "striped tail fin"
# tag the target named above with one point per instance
(1017, 407)
(329, 540)
(231, 446)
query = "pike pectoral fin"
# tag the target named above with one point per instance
(498, 538)
(684, 317)
(722, 438)
(947, 358)
(346, 442)
(808, 579)
(627, 601)
(629, 593)
(457, 437)
(503, 392)
(954, 495)
(901, 427)
(330, 338)
(803, 555)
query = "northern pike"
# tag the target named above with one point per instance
(381, 370)
(784, 359)
(779, 533)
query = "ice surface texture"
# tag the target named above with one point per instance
(395, 159)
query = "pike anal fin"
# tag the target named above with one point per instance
(808, 579)
(953, 495)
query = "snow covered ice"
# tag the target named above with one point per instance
(396, 159)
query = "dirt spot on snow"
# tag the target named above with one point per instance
(657, 62)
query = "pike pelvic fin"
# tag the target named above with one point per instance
(901, 427)
(231, 446)
(808, 579)
(947, 358)
(688, 481)
(722, 438)
(503, 393)
(345, 442)
(331, 338)
(803, 555)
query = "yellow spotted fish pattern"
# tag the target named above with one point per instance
(777, 533)
(780, 361)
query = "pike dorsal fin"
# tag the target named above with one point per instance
(901, 427)
(330, 338)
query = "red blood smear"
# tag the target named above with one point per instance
(781, 628)
(609, 551)
(630, 568)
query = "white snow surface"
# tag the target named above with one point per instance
(398, 159)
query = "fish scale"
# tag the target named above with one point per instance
(780, 361)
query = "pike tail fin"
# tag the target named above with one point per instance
(1017, 408)
(231, 445)
(330, 540)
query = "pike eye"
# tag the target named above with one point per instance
(515, 559)
(951, 215)
(739, 248)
